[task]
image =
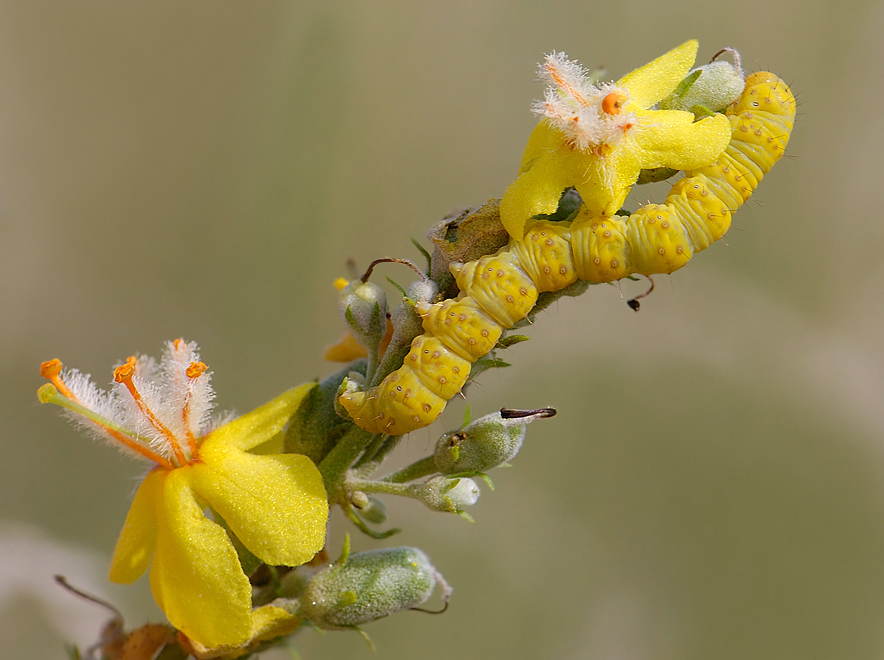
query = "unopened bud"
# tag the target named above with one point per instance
(365, 309)
(487, 442)
(370, 508)
(447, 494)
(713, 86)
(368, 586)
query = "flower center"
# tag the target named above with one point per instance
(123, 374)
(161, 425)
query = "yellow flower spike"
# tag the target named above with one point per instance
(274, 503)
(598, 138)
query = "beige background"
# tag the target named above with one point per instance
(712, 487)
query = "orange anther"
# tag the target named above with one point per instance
(612, 103)
(340, 283)
(123, 373)
(51, 368)
(51, 371)
(195, 370)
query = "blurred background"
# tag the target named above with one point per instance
(713, 486)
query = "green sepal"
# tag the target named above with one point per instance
(511, 340)
(316, 426)
(486, 362)
(681, 90)
(398, 288)
(701, 111)
(423, 251)
(654, 175)
(363, 527)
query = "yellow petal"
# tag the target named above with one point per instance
(268, 622)
(276, 505)
(654, 81)
(261, 424)
(671, 138)
(547, 169)
(139, 536)
(607, 181)
(346, 350)
(195, 576)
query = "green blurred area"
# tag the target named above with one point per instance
(712, 485)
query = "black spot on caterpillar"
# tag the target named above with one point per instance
(500, 289)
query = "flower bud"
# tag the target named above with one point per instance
(365, 309)
(372, 510)
(368, 586)
(447, 494)
(485, 443)
(715, 86)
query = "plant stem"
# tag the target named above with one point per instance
(422, 468)
(385, 487)
(341, 457)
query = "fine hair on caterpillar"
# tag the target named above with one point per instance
(498, 290)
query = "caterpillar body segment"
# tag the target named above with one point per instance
(499, 285)
(499, 290)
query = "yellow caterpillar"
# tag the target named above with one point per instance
(499, 290)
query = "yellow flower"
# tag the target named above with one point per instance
(598, 138)
(274, 504)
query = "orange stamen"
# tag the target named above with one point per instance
(565, 85)
(123, 374)
(51, 371)
(612, 103)
(138, 448)
(193, 371)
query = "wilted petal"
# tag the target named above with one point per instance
(671, 138)
(259, 425)
(195, 575)
(139, 536)
(653, 82)
(276, 505)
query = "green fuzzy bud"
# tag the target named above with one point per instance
(368, 586)
(447, 494)
(487, 442)
(365, 310)
(713, 86)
